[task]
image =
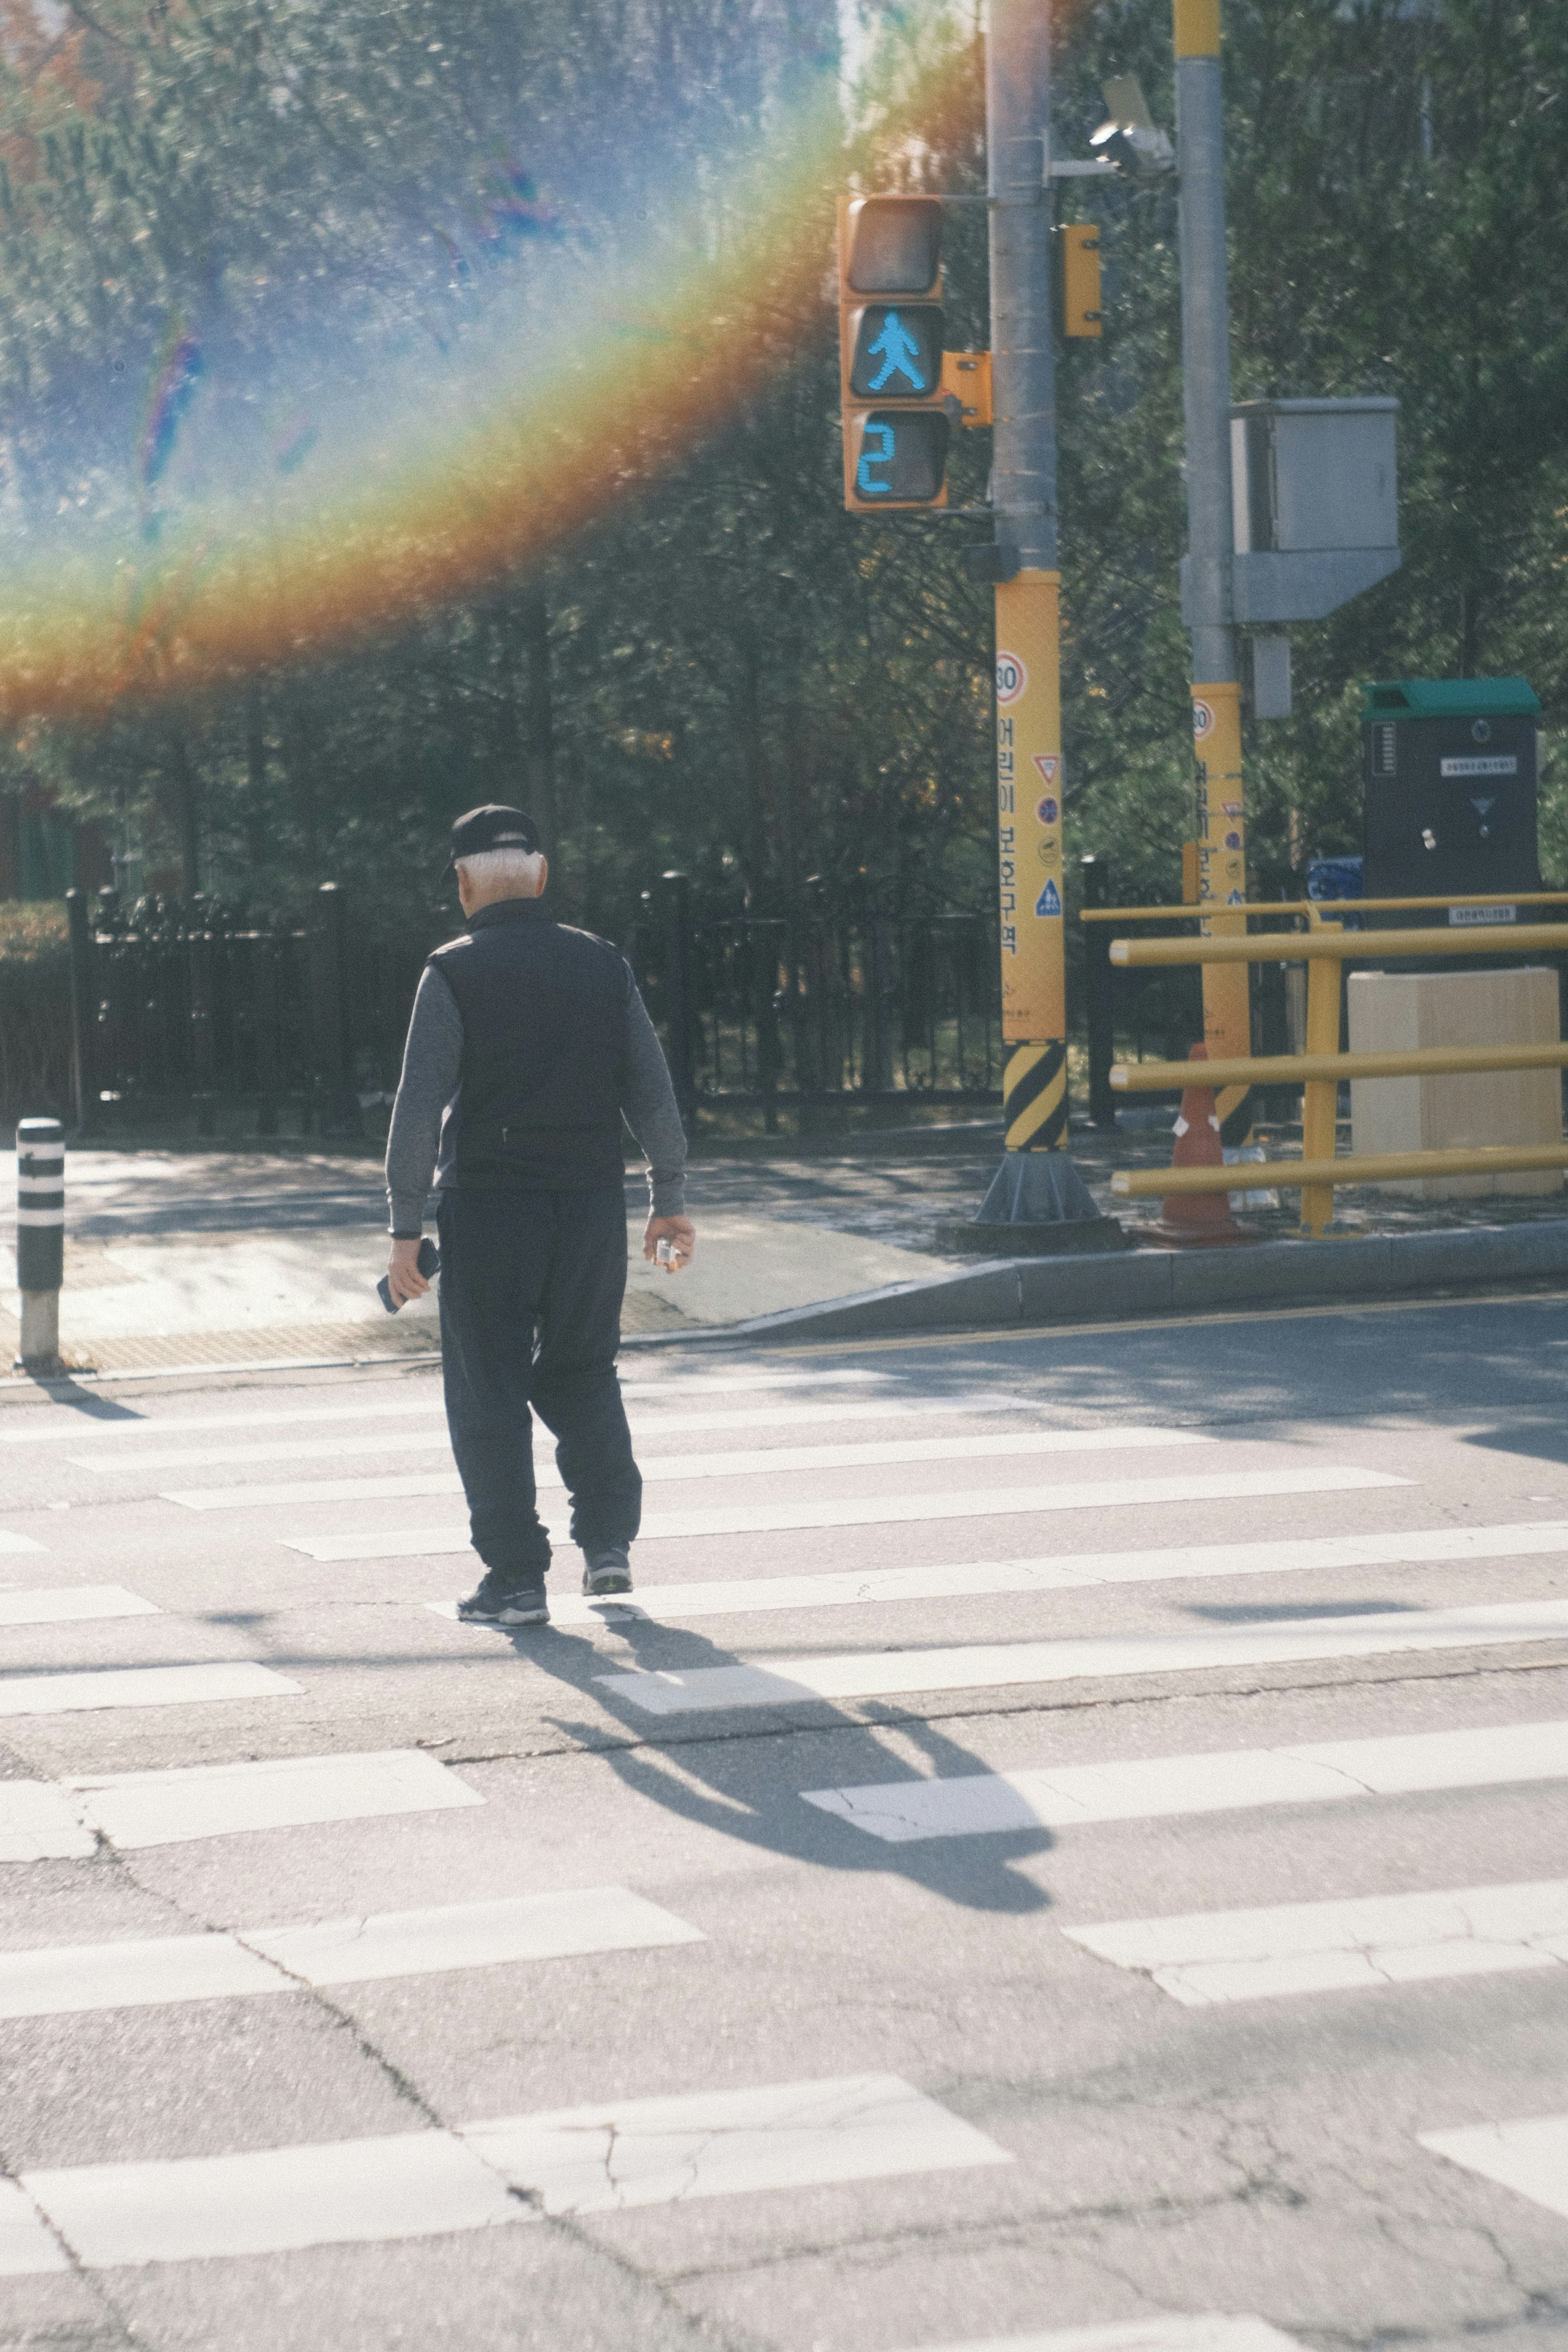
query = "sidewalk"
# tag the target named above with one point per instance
(221, 1259)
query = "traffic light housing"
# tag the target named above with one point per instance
(890, 352)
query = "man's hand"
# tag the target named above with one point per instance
(403, 1279)
(681, 1234)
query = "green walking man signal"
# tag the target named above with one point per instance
(890, 346)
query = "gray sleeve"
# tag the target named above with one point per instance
(432, 1065)
(648, 1104)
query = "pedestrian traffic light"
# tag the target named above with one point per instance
(890, 352)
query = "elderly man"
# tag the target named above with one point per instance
(529, 1044)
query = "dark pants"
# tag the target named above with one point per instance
(531, 1292)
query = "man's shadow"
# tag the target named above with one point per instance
(755, 1779)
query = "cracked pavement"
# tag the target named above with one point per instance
(1246, 2156)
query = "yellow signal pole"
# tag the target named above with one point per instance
(1029, 836)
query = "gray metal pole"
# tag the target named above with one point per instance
(1205, 395)
(1037, 1200)
(1023, 362)
(1205, 366)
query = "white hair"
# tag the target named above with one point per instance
(488, 867)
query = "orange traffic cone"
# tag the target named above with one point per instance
(1199, 1220)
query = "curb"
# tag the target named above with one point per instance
(1007, 1293)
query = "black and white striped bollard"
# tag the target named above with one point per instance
(40, 1239)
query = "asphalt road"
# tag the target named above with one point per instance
(1072, 1836)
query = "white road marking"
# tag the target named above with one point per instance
(75, 1428)
(600, 2160)
(473, 1935)
(79, 1429)
(1211, 1957)
(200, 1800)
(727, 1382)
(794, 1681)
(1530, 2155)
(52, 1604)
(14, 1543)
(155, 1970)
(56, 1982)
(27, 2245)
(573, 2160)
(141, 1687)
(40, 1821)
(775, 1461)
(1212, 2331)
(736, 1596)
(335, 2192)
(989, 1804)
(879, 1510)
(644, 1427)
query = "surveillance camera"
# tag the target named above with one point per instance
(1128, 136)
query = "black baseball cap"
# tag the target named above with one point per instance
(493, 827)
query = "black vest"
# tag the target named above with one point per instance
(538, 1106)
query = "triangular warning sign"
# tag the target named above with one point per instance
(1050, 900)
(1048, 764)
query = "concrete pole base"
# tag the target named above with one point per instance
(40, 1333)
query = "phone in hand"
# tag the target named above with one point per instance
(429, 1264)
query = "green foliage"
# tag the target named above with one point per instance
(728, 672)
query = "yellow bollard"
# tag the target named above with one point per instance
(1320, 1097)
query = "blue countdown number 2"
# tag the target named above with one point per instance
(869, 457)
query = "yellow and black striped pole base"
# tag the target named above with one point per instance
(1035, 1097)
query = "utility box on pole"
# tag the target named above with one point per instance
(1314, 505)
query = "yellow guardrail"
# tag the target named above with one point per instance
(1323, 947)
(1315, 909)
(1329, 941)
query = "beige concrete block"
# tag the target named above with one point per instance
(1401, 1012)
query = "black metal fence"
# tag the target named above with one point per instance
(775, 1010)
(180, 1006)
(174, 1005)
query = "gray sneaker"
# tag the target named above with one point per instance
(608, 1569)
(503, 1599)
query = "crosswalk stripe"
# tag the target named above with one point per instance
(877, 1510)
(1208, 1957)
(40, 1820)
(591, 2160)
(601, 2159)
(794, 1681)
(10, 1542)
(336, 2193)
(1057, 1797)
(667, 1604)
(141, 1687)
(60, 1604)
(1211, 2331)
(1530, 2157)
(155, 1970)
(27, 2245)
(645, 1427)
(76, 1428)
(775, 1461)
